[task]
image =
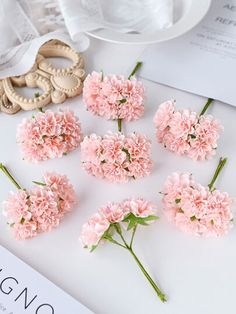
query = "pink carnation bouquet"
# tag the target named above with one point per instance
(197, 209)
(48, 135)
(114, 97)
(187, 133)
(116, 157)
(108, 225)
(40, 209)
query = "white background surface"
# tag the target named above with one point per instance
(198, 275)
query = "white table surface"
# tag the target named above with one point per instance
(198, 275)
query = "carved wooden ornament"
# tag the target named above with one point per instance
(57, 84)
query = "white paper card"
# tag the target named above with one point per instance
(24, 291)
(203, 61)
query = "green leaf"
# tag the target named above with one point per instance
(177, 200)
(107, 234)
(118, 227)
(127, 218)
(39, 183)
(107, 237)
(131, 224)
(131, 219)
(122, 101)
(93, 248)
(141, 221)
(134, 221)
(127, 153)
(151, 217)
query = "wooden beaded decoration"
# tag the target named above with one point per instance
(57, 84)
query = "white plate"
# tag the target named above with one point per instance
(188, 13)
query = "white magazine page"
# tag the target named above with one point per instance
(25, 291)
(203, 61)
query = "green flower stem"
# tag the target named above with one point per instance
(40, 109)
(205, 108)
(10, 177)
(158, 291)
(219, 168)
(114, 242)
(160, 294)
(102, 75)
(119, 121)
(39, 183)
(118, 230)
(135, 69)
(132, 237)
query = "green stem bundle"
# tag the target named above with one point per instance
(10, 176)
(207, 105)
(135, 69)
(218, 170)
(129, 247)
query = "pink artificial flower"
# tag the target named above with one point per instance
(108, 225)
(114, 172)
(114, 213)
(139, 207)
(113, 97)
(93, 230)
(93, 169)
(140, 168)
(49, 135)
(63, 189)
(91, 149)
(138, 145)
(196, 209)
(182, 123)
(17, 207)
(112, 147)
(164, 114)
(186, 133)
(207, 134)
(25, 231)
(116, 157)
(44, 208)
(41, 208)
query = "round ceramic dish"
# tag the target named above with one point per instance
(188, 13)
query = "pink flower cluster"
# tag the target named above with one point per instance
(117, 157)
(41, 208)
(49, 135)
(99, 223)
(113, 97)
(195, 209)
(185, 132)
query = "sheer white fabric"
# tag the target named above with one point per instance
(124, 16)
(25, 25)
